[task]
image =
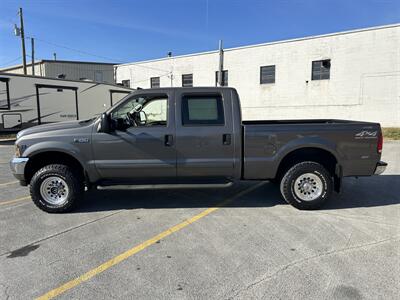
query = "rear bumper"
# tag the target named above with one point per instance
(17, 166)
(380, 167)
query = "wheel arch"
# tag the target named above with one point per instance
(310, 153)
(39, 159)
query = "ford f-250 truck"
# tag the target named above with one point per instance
(192, 136)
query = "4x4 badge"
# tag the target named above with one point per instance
(366, 134)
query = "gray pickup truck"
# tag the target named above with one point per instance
(187, 137)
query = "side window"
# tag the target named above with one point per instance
(129, 105)
(151, 110)
(156, 112)
(202, 110)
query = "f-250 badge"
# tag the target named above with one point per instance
(81, 140)
(366, 134)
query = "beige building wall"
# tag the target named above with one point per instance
(364, 79)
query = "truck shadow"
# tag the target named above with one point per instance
(362, 192)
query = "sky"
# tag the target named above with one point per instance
(122, 31)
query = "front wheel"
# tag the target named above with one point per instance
(56, 188)
(306, 185)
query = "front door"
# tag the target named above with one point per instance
(144, 149)
(205, 140)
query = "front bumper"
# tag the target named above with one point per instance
(17, 165)
(380, 167)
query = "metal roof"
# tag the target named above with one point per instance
(57, 61)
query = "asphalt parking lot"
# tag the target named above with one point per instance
(237, 243)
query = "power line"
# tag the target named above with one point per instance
(85, 52)
(11, 61)
(77, 50)
(95, 55)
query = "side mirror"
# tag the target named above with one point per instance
(104, 125)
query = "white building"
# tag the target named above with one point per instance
(353, 75)
(67, 69)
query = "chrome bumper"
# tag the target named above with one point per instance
(380, 168)
(17, 165)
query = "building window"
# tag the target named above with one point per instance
(202, 110)
(187, 80)
(126, 83)
(98, 76)
(155, 82)
(321, 69)
(267, 74)
(224, 78)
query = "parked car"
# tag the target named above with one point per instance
(192, 136)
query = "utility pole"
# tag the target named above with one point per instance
(21, 19)
(33, 55)
(221, 64)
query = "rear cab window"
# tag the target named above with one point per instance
(202, 110)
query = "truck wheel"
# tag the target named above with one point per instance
(56, 188)
(306, 185)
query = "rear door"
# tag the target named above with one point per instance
(205, 140)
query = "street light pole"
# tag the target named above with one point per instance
(33, 55)
(21, 19)
(220, 64)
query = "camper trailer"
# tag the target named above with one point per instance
(27, 101)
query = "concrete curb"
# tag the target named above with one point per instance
(7, 141)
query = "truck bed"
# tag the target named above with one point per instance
(353, 143)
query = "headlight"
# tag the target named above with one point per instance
(17, 151)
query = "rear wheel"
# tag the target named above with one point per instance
(306, 185)
(56, 188)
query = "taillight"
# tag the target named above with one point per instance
(380, 142)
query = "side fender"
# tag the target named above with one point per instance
(48, 146)
(306, 142)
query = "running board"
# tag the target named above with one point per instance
(164, 186)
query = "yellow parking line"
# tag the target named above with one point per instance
(15, 200)
(123, 256)
(7, 183)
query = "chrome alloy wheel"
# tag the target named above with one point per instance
(308, 187)
(54, 190)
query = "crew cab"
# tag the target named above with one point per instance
(187, 137)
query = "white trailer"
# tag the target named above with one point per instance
(27, 101)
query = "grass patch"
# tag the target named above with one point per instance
(391, 133)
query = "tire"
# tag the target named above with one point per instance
(306, 185)
(56, 188)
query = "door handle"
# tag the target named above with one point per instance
(226, 139)
(168, 140)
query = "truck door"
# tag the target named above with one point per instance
(204, 130)
(142, 151)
